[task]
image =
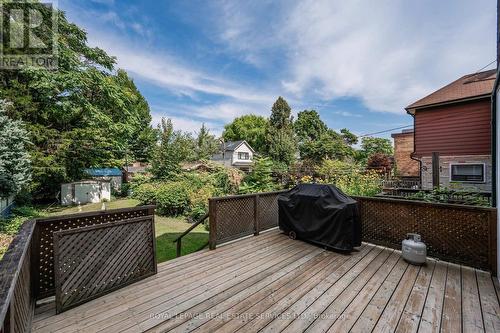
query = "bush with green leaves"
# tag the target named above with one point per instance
(172, 199)
(145, 193)
(260, 178)
(349, 178)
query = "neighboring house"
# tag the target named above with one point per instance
(136, 168)
(406, 167)
(455, 121)
(237, 154)
(113, 175)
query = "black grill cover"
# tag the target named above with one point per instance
(322, 214)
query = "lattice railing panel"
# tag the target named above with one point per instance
(268, 210)
(235, 218)
(92, 261)
(43, 242)
(460, 234)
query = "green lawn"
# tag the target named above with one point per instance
(166, 229)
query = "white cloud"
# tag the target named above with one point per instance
(387, 53)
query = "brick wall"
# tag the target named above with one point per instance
(403, 147)
(444, 174)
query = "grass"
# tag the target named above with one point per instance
(166, 229)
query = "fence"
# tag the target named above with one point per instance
(27, 268)
(94, 260)
(237, 216)
(456, 233)
(44, 240)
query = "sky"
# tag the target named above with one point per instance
(358, 63)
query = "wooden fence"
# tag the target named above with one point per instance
(237, 216)
(456, 233)
(27, 268)
(92, 261)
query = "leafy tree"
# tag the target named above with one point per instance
(250, 128)
(380, 162)
(371, 145)
(14, 158)
(317, 142)
(348, 137)
(83, 114)
(174, 148)
(309, 125)
(280, 138)
(206, 144)
(260, 178)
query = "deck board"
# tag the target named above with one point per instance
(270, 283)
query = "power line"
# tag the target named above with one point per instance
(385, 131)
(491, 63)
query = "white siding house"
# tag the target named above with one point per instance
(237, 154)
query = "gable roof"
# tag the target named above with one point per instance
(469, 86)
(233, 145)
(103, 172)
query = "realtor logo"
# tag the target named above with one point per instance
(28, 34)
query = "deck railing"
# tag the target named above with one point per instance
(456, 233)
(27, 271)
(236, 216)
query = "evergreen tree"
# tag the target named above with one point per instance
(280, 138)
(14, 158)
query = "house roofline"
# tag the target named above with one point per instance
(242, 142)
(455, 101)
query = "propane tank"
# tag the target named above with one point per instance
(414, 250)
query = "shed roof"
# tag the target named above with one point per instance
(468, 86)
(103, 172)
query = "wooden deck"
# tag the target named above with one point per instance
(270, 283)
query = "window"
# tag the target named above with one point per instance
(243, 156)
(467, 173)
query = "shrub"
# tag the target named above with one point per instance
(350, 179)
(172, 199)
(198, 200)
(145, 193)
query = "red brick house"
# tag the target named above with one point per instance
(455, 121)
(406, 167)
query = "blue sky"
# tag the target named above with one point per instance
(358, 64)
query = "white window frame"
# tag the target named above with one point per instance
(468, 181)
(244, 153)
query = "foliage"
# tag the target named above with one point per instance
(380, 163)
(371, 145)
(15, 170)
(447, 195)
(318, 142)
(145, 193)
(260, 178)
(309, 126)
(250, 128)
(281, 145)
(174, 148)
(349, 178)
(83, 114)
(206, 144)
(172, 199)
(11, 225)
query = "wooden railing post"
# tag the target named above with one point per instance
(256, 219)
(179, 246)
(212, 223)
